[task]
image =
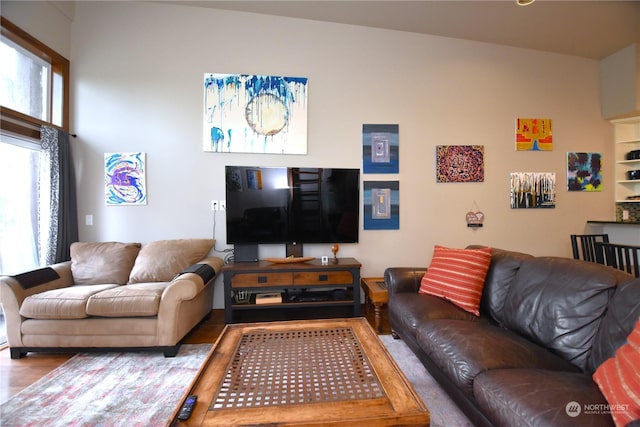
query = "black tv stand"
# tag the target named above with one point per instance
(312, 283)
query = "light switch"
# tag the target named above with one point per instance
(88, 219)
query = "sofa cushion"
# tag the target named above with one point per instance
(65, 303)
(536, 397)
(95, 263)
(463, 349)
(619, 380)
(138, 300)
(559, 303)
(622, 313)
(162, 260)
(504, 267)
(457, 275)
(406, 311)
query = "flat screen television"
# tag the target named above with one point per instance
(291, 205)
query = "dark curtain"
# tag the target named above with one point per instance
(57, 169)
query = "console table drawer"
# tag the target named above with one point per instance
(249, 280)
(323, 278)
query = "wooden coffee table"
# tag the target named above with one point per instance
(305, 373)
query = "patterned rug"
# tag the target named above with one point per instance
(143, 389)
(107, 389)
(443, 412)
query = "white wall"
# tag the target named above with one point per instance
(137, 71)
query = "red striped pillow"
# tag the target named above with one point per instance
(457, 275)
(619, 380)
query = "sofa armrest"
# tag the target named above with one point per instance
(403, 279)
(191, 281)
(13, 294)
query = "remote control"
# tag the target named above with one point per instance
(187, 407)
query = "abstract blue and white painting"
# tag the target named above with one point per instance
(246, 113)
(124, 179)
(380, 148)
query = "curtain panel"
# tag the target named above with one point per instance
(58, 213)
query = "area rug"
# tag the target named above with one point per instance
(443, 412)
(107, 389)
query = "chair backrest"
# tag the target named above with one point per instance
(622, 257)
(584, 245)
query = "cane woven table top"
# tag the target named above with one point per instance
(311, 372)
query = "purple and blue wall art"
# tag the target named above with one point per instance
(124, 179)
(246, 113)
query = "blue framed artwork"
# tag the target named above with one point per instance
(381, 205)
(246, 113)
(125, 179)
(380, 148)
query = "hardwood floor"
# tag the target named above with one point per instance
(17, 374)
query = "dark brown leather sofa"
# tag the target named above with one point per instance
(546, 324)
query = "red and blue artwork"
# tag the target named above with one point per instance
(534, 135)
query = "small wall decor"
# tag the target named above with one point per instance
(474, 217)
(584, 171)
(531, 190)
(381, 201)
(254, 114)
(534, 135)
(124, 179)
(380, 148)
(460, 163)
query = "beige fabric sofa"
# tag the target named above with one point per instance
(112, 295)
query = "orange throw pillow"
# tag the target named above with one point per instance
(619, 380)
(457, 275)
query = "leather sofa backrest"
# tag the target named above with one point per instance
(502, 271)
(559, 304)
(618, 322)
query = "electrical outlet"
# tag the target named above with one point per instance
(215, 205)
(222, 205)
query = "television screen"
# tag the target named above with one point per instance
(292, 205)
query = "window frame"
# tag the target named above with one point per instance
(23, 124)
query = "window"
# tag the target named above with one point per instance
(19, 172)
(34, 84)
(34, 91)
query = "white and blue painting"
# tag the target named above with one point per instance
(246, 113)
(380, 148)
(124, 179)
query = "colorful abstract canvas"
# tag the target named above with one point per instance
(534, 135)
(584, 171)
(246, 113)
(460, 163)
(533, 190)
(380, 148)
(381, 200)
(124, 179)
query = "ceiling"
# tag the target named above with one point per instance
(589, 29)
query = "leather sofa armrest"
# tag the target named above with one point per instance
(403, 279)
(13, 294)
